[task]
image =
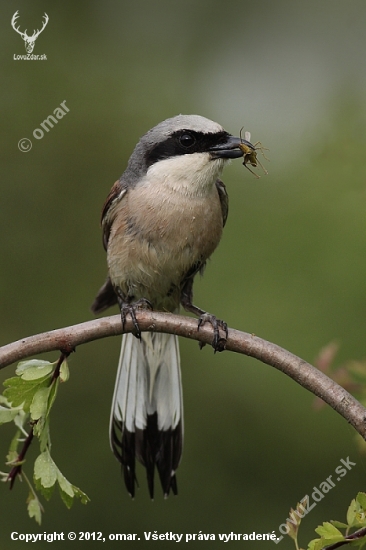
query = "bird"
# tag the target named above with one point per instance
(161, 222)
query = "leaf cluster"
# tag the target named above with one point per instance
(330, 532)
(28, 399)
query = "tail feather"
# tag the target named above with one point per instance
(147, 410)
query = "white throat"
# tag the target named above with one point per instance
(194, 174)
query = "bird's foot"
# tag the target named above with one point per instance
(218, 342)
(130, 309)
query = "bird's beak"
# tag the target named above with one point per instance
(230, 149)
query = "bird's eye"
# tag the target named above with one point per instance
(187, 140)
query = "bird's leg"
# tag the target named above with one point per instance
(130, 308)
(218, 343)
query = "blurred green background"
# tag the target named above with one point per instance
(290, 268)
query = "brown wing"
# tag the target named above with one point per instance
(116, 194)
(106, 296)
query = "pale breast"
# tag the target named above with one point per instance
(157, 237)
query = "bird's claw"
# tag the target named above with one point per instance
(131, 310)
(218, 343)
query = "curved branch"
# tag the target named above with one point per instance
(310, 378)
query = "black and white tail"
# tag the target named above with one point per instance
(147, 409)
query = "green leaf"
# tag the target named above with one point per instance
(7, 415)
(34, 368)
(32, 394)
(69, 492)
(317, 544)
(41, 430)
(21, 392)
(52, 396)
(45, 475)
(66, 499)
(329, 535)
(45, 471)
(46, 491)
(34, 508)
(37, 372)
(339, 524)
(84, 499)
(64, 372)
(361, 499)
(4, 401)
(20, 419)
(65, 485)
(329, 531)
(38, 429)
(7, 412)
(351, 513)
(355, 514)
(11, 457)
(39, 403)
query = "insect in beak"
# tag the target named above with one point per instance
(250, 153)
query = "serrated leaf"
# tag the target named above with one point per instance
(355, 514)
(66, 499)
(32, 363)
(46, 492)
(360, 519)
(327, 531)
(64, 372)
(34, 509)
(361, 499)
(45, 470)
(84, 499)
(69, 492)
(21, 392)
(39, 403)
(65, 485)
(351, 513)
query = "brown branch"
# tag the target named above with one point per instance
(348, 539)
(310, 378)
(17, 468)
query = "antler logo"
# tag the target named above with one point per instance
(29, 41)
